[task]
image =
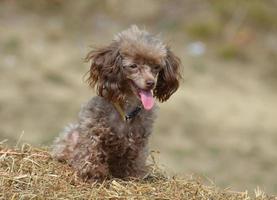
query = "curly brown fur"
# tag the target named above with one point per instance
(135, 66)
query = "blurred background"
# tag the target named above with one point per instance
(221, 123)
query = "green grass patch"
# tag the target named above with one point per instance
(231, 52)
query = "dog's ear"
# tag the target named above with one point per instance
(168, 78)
(105, 72)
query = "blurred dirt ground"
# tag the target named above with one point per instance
(221, 124)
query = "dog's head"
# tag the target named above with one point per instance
(135, 63)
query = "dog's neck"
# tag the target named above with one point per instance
(129, 108)
(130, 102)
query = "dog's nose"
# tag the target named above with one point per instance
(150, 84)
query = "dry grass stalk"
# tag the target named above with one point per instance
(31, 173)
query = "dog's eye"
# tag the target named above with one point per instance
(156, 67)
(133, 66)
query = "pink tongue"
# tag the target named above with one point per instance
(147, 99)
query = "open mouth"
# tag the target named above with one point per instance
(147, 99)
(145, 96)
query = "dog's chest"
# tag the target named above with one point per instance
(138, 127)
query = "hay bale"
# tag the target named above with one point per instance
(31, 173)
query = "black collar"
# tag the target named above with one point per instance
(129, 116)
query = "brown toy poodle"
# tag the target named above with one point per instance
(111, 136)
